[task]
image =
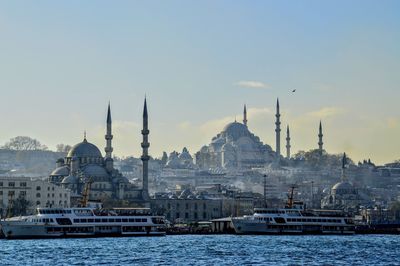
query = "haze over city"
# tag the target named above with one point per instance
(198, 64)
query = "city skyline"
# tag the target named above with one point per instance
(62, 64)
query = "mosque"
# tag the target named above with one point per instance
(343, 195)
(85, 162)
(236, 147)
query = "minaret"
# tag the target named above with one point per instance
(278, 130)
(344, 164)
(145, 155)
(245, 116)
(320, 142)
(287, 143)
(108, 149)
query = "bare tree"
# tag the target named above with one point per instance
(24, 143)
(63, 147)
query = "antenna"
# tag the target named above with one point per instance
(265, 191)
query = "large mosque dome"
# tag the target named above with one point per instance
(84, 149)
(235, 130)
(343, 188)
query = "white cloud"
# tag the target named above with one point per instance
(327, 112)
(185, 125)
(252, 84)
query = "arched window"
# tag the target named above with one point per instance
(37, 202)
(38, 188)
(37, 195)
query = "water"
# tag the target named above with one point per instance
(206, 250)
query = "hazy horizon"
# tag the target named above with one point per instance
(199, 63)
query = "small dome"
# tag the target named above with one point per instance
(173, 162)
(60, 171)
(185, 155)
(84, 149)
(70, 180)
(204, 149)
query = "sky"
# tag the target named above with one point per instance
(199, 62)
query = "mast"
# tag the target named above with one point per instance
(10, 205)
(86, 192)
(290, 201)
(265, 191)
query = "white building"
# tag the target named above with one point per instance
(37, 192)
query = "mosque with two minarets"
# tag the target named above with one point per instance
(85, 163)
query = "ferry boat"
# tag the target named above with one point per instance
(294, 219)
(84, 222)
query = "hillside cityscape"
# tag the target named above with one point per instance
(229, 176)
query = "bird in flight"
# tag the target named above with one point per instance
(294, 90)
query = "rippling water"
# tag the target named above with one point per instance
(206, 250)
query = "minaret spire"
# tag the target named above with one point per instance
(245, 115)
(108, 149)
(287, 143)
(278, 129)
(320, 142)
(145, 155)
(344, 165)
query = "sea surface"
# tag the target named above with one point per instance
(206, 250)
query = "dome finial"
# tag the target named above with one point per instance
(84, 136)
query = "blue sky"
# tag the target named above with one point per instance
(198, 62)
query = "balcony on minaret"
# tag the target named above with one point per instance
(145, 132)
(145, 157)
(145, 145)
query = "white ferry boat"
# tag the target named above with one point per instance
(294, 219)
(84, 222)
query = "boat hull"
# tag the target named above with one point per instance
(38, 231)
(28, 231)
(254, 227)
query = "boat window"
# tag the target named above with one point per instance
(97, 220)
(124, 220)
(111, 220)
(76, 220)
(83, 220)
(131, 220)
(103, 220)
(117, 220)
(90, 220)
